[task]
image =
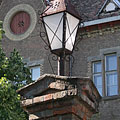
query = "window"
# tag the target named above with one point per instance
(110, 7)
(35, 71)
(111, 75)
(97, 76)
(105, 76)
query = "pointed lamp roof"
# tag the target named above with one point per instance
(57, 6)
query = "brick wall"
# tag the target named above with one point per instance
(109, 109)
(91, 47)
(0, 1)
(32, 48)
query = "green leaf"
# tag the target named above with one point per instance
(13, 75)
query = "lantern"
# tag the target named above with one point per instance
(61, 22)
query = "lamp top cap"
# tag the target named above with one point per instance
(57, 6)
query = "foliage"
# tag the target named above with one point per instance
(14, 69)
(1, 29)
(13, 75)
(9, 102)
(3, 63)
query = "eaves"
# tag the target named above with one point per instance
(101, 21)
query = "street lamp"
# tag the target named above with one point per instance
(61, 22)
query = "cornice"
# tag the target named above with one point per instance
(99, 29)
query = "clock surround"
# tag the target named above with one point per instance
(23, 34)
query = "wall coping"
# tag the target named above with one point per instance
(108, 98)
(21, 90)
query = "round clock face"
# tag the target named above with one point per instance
(20, 22)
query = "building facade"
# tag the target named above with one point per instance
(97, 54)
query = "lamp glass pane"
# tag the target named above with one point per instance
(71, 30)
(54, 29)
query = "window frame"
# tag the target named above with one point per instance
(31, 67)
(110, 72)
(96, 73)
(102, 59)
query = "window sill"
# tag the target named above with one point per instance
(114, 97)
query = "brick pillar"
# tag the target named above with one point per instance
(54, 97)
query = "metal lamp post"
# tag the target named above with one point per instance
(61, 22)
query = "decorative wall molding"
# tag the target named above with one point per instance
(93, 33)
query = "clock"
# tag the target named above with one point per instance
(20, 23)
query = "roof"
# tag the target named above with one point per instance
(89, 9)
(57, 6)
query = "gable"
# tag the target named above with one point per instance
(109, 6)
